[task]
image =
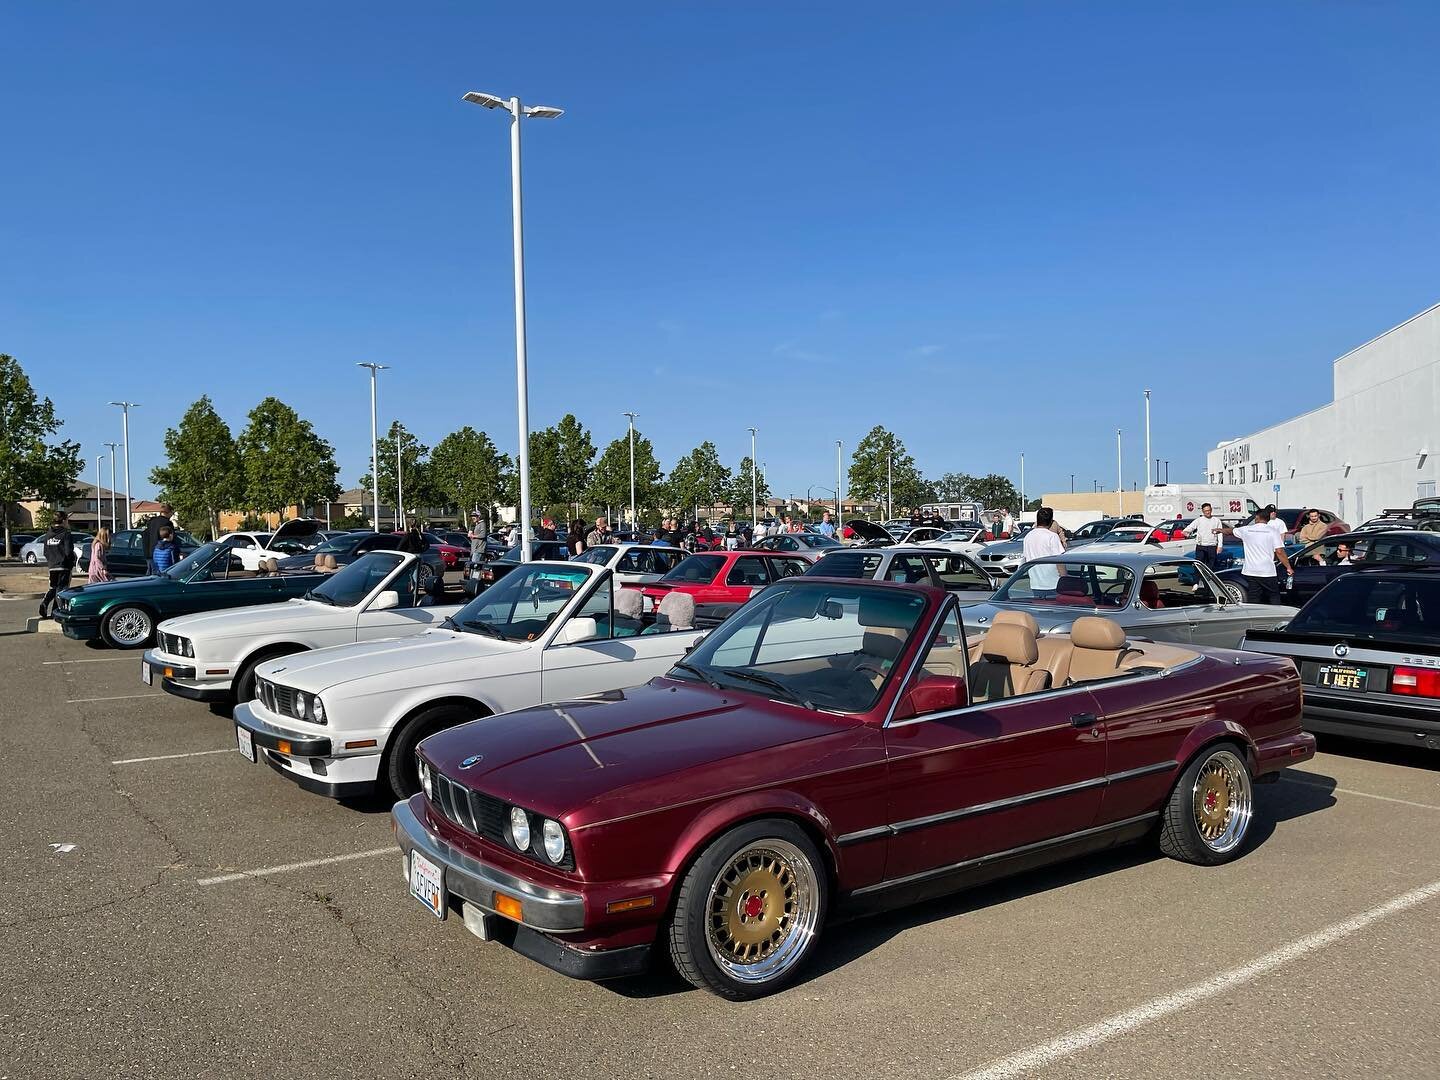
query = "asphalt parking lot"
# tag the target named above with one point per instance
(212, 919)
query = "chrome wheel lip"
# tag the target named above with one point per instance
(137, 622)
(1237, 594)
(796, 943)
(1239, 796)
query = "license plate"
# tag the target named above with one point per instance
(1344, 677)
(427, 884)
(146, 676)
(245, 742)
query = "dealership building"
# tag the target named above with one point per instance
(1371, 448)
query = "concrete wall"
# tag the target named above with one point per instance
(1362, 452)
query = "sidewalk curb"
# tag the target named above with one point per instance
(37, 625)
(21, 595)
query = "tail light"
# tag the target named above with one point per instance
(1415, 682)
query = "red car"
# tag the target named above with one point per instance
(834, 745)
(725, 577)
(455, 556)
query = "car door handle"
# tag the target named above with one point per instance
(1084, 720)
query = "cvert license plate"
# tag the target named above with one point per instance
(427, 883)
(1344, 677)
(245, 742)
(146, 676)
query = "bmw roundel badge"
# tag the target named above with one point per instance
(473, 759)
(1342, 650)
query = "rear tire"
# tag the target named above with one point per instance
(1236, 593)
(398, 774)
(1211, 808)
(128, 627)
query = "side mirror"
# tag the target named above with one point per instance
(581, 628)
(386, 601)
(933, 694)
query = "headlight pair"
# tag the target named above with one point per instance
(552, 835)
(309, 707)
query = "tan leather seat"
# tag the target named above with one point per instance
(1008, 664)
(1097, 647)
(1054, 652)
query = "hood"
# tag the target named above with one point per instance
(559, 759)
(101, 592)
(417, 658)
(868, 530)
(258, 620)
(294, 530)
(1004, 547)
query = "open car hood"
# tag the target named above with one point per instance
(868, 530)
(293, 530)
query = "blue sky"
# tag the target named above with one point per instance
(986, 226)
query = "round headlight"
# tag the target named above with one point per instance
(424, 775)
(554, 837)
(317, 710)
(519, 828)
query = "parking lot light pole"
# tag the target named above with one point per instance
(1147, 432)
(518, 111)
(632, 417)
(839, 486)
(1119, 474)
(1022, 481)
(98, 459)
(112, 447)
(889, 485)
(125, 407)
(754, 483)
(400, 482)
(374, 448)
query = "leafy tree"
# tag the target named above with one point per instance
(868, 474)
(994, 490)
(610, 479)
(740, 489)
(560, 460)
(1033, 504)
(467, 471)
(698, 479)
(283, 461)
(202, 474)
(953, 487)
(31, 464)
(415, 476)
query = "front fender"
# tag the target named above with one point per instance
(721, 816)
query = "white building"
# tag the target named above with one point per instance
(1371, 448)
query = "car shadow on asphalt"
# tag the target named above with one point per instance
(848, 939)
(1414, 757)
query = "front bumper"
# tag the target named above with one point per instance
(273, 737)
(307, 760)
(180, 679)
(81, 629)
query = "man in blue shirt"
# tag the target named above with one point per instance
(826, 526)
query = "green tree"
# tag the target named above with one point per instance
(953, 487)
(698, 479)
(560, 459)
(994, 491)
(877, 451)
(283, 461)
(467, 471)
(202, 474)
(610, 479)
(419, 490)
(30, 463)
(741, 491)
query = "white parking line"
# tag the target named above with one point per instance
(172, 757)
(97, 660)
(117, 697)
(1074, 1042)
(1362, 794)
(268, 870)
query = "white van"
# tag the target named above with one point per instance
(1165, 502)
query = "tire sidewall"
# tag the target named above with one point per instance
(239, 689)
(1191, 845)
(688, 926)
(398, 777)
(110, 621)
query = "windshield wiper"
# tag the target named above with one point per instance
(700, 673)
(774, 684)
(311, 594)
(485, 628)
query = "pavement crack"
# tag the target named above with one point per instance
(91, 910)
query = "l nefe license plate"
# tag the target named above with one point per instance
(245, 741)
(427, 883)
(1344, 677)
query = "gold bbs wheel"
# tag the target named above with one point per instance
(761, 911)
(1221, 800)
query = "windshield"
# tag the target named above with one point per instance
(1068, 585)
(339, 545)
(696, 570)
(1375, 607)
(522, 604)
(817, 540)
(197, 560)
(1126, 536)
(597, 555)
(348, 586)
(825, 645)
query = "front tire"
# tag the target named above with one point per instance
(30, 559)
(398, 772)
(128, 627)
(749, 911)
(1210, 809)
(425, 580)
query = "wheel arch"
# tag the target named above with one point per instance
(460, 700)
(271, 650)
(1206, 735)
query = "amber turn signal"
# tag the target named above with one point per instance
(508, 906)
(283, 745)
(359, 744)
(635, 903)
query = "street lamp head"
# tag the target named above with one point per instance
(490, 101)
(543, 112)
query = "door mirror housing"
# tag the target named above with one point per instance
(933, 694)
(386, 601)
(581, 628)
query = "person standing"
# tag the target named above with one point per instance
(99, 557)
(598, 535)
(167, 550)
(412, 541)
(826, 526)
(477, 535)
(1206, 531)
(1314, 529)
(1262, 548)
(546, 531)
(732, 536)
(576, 540)
(152, 534)
(1039, 542)
(59, 560)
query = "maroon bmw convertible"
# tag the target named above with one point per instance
(834, 744)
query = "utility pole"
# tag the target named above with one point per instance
(754, 483)
(1119, 474)
(632, 417)
(112, 447)
(374, 449)
(839, 487)
(1147, 429)
(125, 407)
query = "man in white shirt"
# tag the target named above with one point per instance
(1262, 547)
(1277, 523)
(1039, 542)
(1206, 530)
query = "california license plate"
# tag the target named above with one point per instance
(427, 884)
(245, 742)
(146, 675)
(1344, 677)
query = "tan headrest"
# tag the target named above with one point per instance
(629, 602)
(1019, 618)
(1011, 644)
(1093, 632)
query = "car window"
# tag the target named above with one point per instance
(958, 572)
(783, 568)
(909, 569)
(522, 604)
(945, 657)
(695, 570)
(241, 541)
(748, 570)
(1395, 550)
(600, 606)
(1174, 585)
(599, 555)
(125, 542)
(787, 543)
(847, 564)
(1374, 606)
(1069, 585)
